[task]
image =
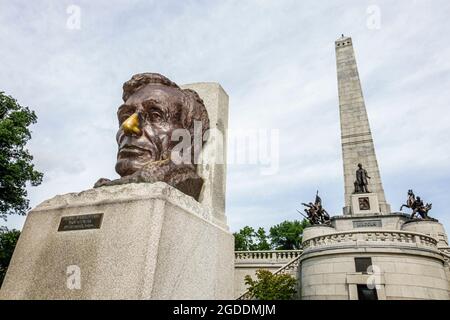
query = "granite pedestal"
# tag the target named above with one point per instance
(135, 241)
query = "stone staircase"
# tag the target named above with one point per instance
(267, 257)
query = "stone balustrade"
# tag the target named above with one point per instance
(375, 237)
(446, 252)
(290, 268)
(266, 257)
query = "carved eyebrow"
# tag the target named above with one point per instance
(153, 103)
(124, 107)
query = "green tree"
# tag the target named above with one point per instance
(8, 240)
(243, 240)
(247, 239)
(269, 286)
(262, 240)
(16, 168)
(288, 235)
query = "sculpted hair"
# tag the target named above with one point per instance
(196, 112)
(142, 79)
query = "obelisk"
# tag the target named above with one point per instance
(356, 136)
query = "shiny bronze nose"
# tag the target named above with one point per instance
(132, 125)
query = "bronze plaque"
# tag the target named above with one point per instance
(81, 222)
(364, 203)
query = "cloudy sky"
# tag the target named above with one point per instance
(276, 61)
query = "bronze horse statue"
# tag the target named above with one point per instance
(417, 206)
(410, 201)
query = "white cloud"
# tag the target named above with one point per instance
(276, 61)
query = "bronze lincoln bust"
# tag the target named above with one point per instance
(154, 108)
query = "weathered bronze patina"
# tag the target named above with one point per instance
(315, 213)
(417, 206)
(154, 108)
(361, 182)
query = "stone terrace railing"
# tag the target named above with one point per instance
(385, 237)
(290, 268)
(266, 257)
(446, 252)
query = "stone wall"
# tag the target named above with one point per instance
(446, 252)
(248, 262)
(406, 265)
(400, 277)
(384, 222)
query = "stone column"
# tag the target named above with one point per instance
(213, 167)
(356, 137)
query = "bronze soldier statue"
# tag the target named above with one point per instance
(312, 213)
(322, 213)
(420, 208)
(316, 214)
(417, 206)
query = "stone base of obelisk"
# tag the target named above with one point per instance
(136, 241)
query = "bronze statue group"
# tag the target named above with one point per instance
(317, 215)
(417, 206)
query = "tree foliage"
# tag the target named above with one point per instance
(288, 235)
(269, 286)
(8, 240)
(263, 240)
(284, 236)
(243, 239)
(247, 239)
(16, 168)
